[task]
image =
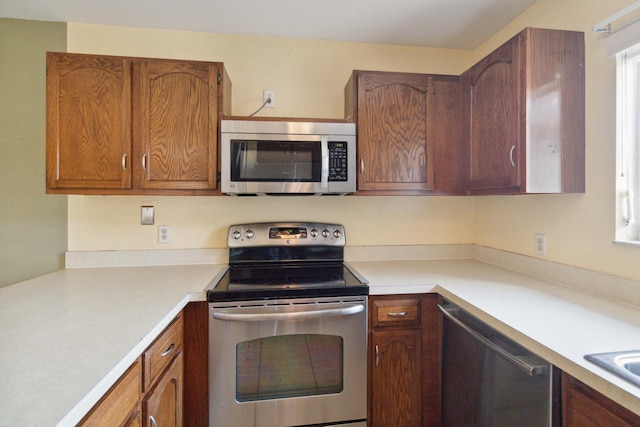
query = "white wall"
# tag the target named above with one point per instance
(579, 228)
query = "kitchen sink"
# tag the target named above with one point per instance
(625, 364)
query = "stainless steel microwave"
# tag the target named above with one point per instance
(287, 157)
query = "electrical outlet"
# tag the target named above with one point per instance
(269, 98)
(541, 244)
(164, 234)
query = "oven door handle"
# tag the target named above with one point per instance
(296, 315)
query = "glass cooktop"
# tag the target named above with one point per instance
(272, 281)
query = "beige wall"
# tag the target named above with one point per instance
(579, 228)
(309, 77)
(33, 226)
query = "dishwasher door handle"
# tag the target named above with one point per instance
(295, 315)
(531, 370)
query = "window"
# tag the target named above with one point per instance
(628, 147)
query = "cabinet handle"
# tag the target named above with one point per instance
(169, 350)
(362, 166)
(377, 354)
(513, 163)
(144, 162)
(124, 162)
(153, 421)
(397, 314)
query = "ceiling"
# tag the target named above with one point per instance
(452, 24)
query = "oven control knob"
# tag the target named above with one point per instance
(325, 233)
(313, 232)
(237, 235)
(337, 234)
(249, 234)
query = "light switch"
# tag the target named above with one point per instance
(147, 215)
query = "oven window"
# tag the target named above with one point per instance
(280, 161)
(289, 366)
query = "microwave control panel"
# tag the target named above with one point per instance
(338, 161)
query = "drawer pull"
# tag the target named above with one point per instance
(153, 421)
(397, 314)
(169, 350)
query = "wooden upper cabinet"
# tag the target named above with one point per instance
(119, 125)
(390, 110)
(524, 105)
(88, 122)
(494, 95)
(175, 112)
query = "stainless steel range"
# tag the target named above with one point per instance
(287, 330)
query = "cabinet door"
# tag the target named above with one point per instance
(175, 112)
(582, 406)
(162, 407)
(396, 378)
(495, 97)
(88, 122)
(120, 406)
(393, 153)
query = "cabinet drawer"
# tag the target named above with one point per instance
(159, 354)
(120, 406)
(402, 312)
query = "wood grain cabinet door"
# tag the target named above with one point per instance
(88, 122)
(175, 112)
(162, 407)
(396, 379)
(495, 98)
(583, 406)
(393, 153)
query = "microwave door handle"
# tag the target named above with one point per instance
(324, 148)
(299, 315)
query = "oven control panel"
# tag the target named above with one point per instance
(286, 234)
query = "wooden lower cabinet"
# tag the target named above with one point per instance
(121, 405)
(404, 361)
(583, 406)
(150, 392)
(162, 407)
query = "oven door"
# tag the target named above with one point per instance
(287, 363)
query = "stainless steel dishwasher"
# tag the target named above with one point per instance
(488, 380)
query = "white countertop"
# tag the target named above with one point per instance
(558, 323)
(66, 337)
